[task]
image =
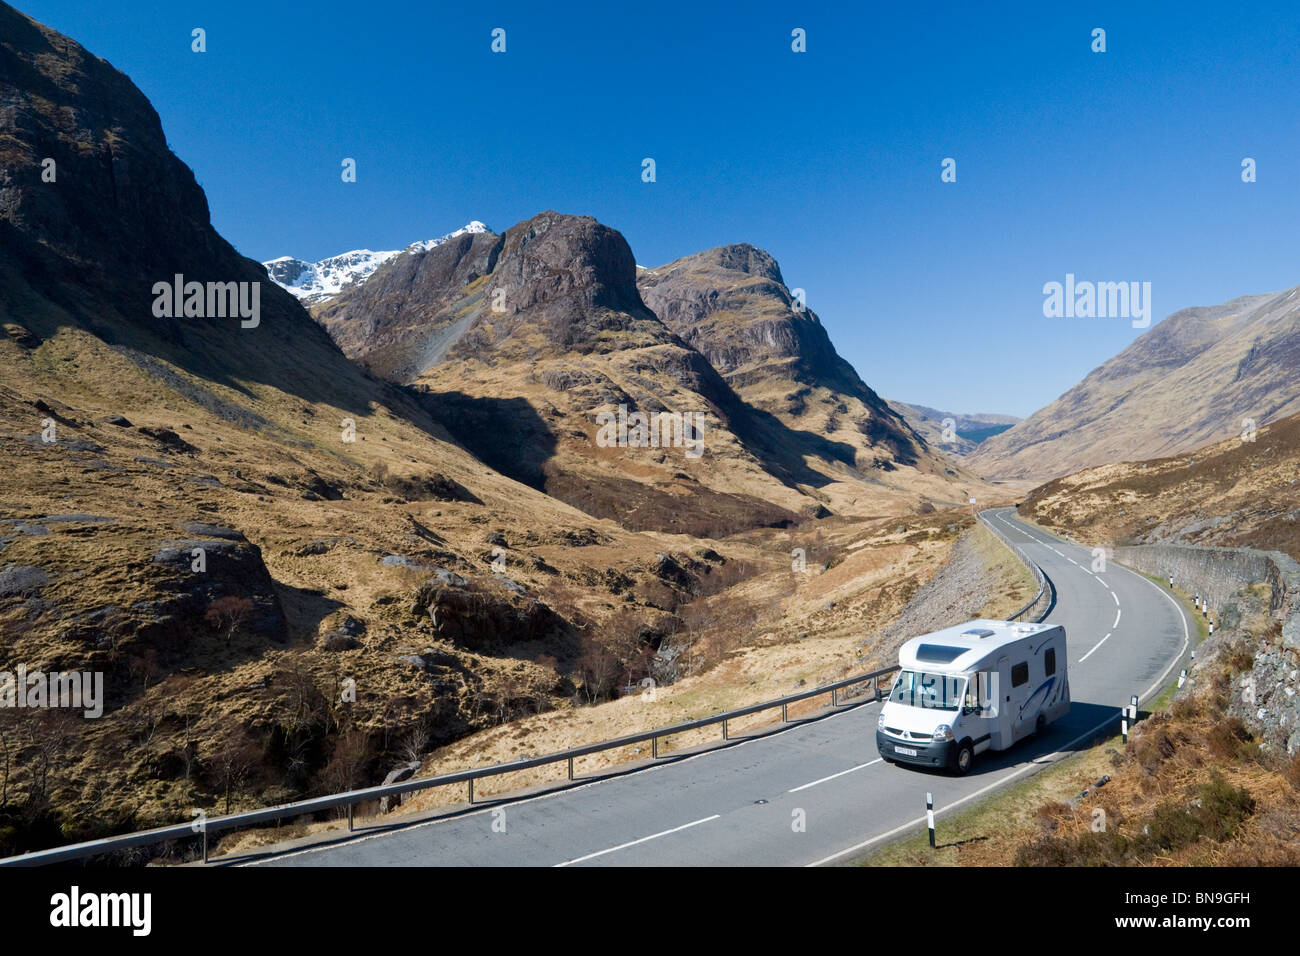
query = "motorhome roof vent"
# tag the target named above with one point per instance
(938, 653)
(978, 632)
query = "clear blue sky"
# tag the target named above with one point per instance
(1122, 166)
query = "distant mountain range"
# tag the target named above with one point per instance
(1201, 375)
(953, 433)
(313, 282)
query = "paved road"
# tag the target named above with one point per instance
(741, 805)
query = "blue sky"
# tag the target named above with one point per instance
(1122, 166)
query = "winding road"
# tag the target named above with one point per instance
(816, 792)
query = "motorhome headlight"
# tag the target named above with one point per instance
(943, 732)
(880, 722)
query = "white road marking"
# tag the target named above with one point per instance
(644, 839)
(1116, 597)
(1118, 612)
(834, 775)
(1098, 644)
(1109, 721)
(1182, 616)
(520, 801)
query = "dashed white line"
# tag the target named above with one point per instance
(1098, 644)
(1118, 612)
(644, 839)
(834, 775)
(1116, 597)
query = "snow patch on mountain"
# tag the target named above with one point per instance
(314, 282)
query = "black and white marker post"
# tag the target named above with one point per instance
(929, 816)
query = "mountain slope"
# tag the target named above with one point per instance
(1192, 379)
(732, 304)
(1233, 492)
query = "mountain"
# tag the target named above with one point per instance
(732, 304)
(522, 341)
(963, 433)
(1232, 493)
(312, 282)
(1194, 378)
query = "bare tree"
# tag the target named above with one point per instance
(415, 744)
(234, 762)
(344, 770)
(227, 614)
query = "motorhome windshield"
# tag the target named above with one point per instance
(931, 691)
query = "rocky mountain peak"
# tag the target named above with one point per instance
(554, 257)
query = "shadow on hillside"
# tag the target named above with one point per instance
(781, 449)
(304, 609)
(506, 434)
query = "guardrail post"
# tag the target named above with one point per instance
(570, 768)
(205, 844)
(785, 715)
(351, 808)
(835, 697)
(471, 789)
(654, 747)
(724, 729)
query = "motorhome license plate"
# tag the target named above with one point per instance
(906, 751)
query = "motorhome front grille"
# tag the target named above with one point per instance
(902, 734)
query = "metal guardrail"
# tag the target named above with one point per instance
(350, 799)
(1024, 559)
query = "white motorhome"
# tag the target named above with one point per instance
(971, 688)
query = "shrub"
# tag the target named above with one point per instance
(1228, 739)
(1215, 814)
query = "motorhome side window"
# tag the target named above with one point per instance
(1049, 661)
(1020, 674)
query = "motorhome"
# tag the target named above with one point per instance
(971, 688)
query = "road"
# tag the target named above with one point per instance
(815, 793)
